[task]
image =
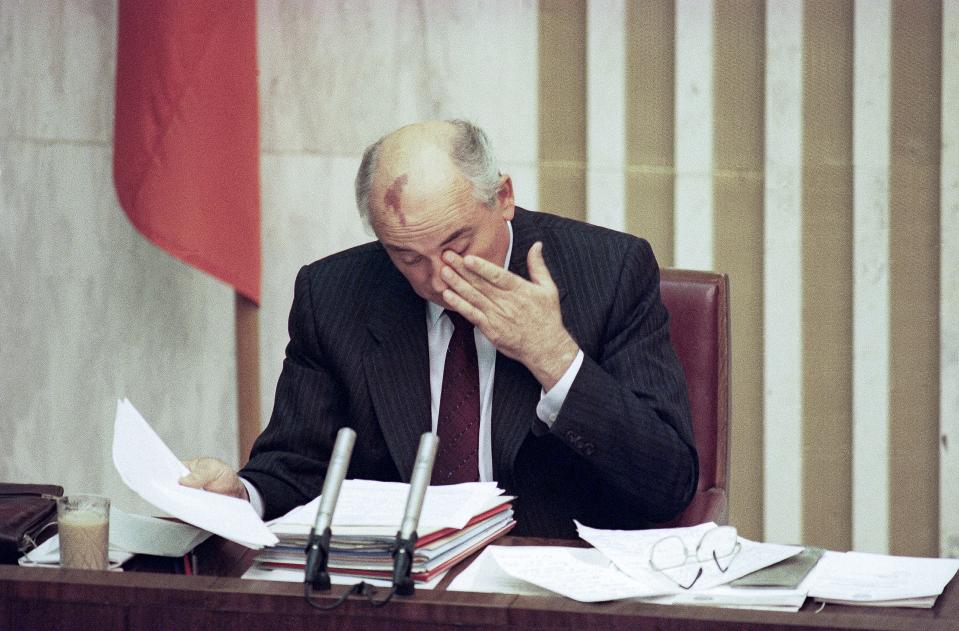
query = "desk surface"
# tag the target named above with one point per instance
(34, 598)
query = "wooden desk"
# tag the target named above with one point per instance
(49, 599)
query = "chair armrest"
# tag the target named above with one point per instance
(709, 505)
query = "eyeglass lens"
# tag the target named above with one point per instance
(716, 544)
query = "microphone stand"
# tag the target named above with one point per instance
(317, 555)
(403, 564)
(318, 547)
(406, 535)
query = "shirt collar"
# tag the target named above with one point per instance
(434, 311)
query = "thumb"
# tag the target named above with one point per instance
(199, 474)
(538, 272)
(194, 478)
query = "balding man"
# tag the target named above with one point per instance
(535, 346)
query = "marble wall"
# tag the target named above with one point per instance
(93, 312)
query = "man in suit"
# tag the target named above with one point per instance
(581, 407)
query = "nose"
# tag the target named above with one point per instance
(437, 284)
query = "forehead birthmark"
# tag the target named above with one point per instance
(392, 197)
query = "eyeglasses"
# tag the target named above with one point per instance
(719, 545)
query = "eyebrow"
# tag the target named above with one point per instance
(462, 232)
(457, 234)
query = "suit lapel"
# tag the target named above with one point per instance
(515, 391)
(525, 234)
(515, 394)
(397, 369)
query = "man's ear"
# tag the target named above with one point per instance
(504, 198)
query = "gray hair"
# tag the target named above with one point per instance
(470, 151)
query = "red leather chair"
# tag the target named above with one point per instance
(698, 305)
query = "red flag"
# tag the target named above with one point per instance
(186, 136)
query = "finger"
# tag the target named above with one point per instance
(456, 261)
(536, 264)
(493, 274)
(194, 479)
(458, 304)
(483, 294)
(222, 481)
(201, 469)
(191, 481)
(213, 475)
(199, 473)
(467, 290)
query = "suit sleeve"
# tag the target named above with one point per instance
(627, 411)
(289, 459)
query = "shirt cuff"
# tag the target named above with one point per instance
(256, 500)
(550, 403)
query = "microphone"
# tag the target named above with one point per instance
(406, 536)
(318, 546)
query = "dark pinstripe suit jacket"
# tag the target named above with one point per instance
(619, 455)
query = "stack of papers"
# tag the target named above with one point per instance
(618, 568)
(859, 578)
(140, 534)
(488, 576)
(456, 521)
(789, 573)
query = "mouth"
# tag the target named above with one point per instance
(435, 298)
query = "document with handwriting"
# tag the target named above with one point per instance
(486, 576)
(559, 571)
(863, 578)
(629, 550)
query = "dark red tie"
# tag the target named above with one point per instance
(458, 424)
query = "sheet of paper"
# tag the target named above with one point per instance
(863, 578)
(142, 534)
(47, 554)
(764, 598)
(485, 575)
(148, 467)
(558, 571)
(368, 505)
(926, 602)
(287, 575)
(629, 550)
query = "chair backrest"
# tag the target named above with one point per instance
(698, 305)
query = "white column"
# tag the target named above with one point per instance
(949, 288)
(782, 275)
(694, 135)
(606, 113)
(870, 362)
